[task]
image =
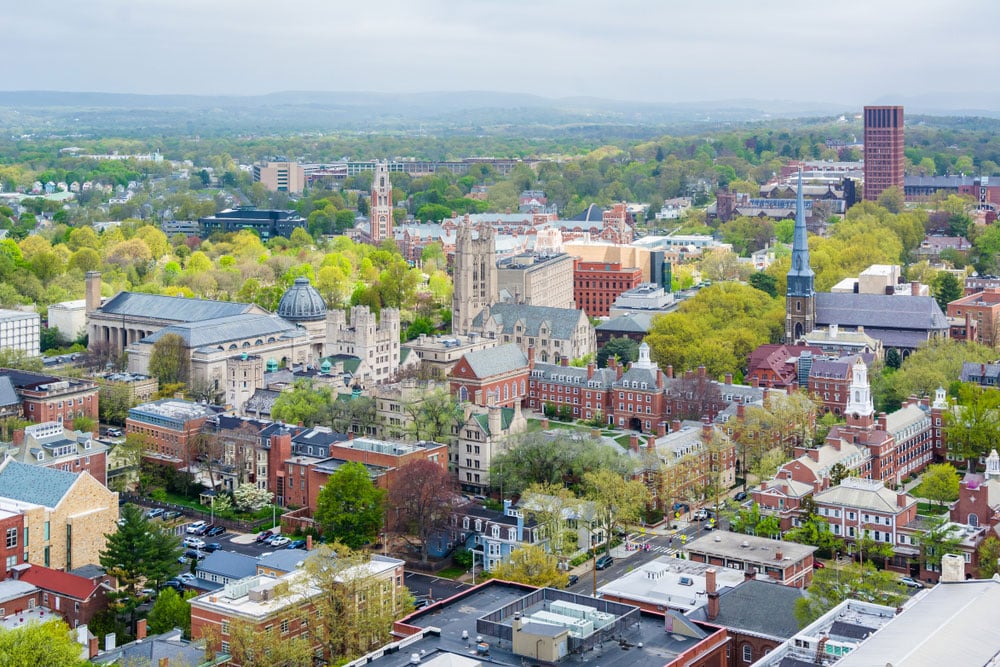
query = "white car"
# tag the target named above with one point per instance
(279, 541)
(194, 543)
(195, 527)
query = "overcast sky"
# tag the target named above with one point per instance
(840, 51)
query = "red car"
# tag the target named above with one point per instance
(263, 536)
(818, 565)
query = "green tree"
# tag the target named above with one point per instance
(37, 644)
(765, 282)
(249, 646)
(139, 550)
(972, 426)
(891, 199)
(619, 501)
(939, 538)
(624, 349)
(350, 508)
(169, 360)
(170, 610)
(539, 458)
(534, 566)
(550, 505)
(893, 358)
(940, 483)
(988, 555)
(946, 289)
(750, 521)
(831, 586)
(304, 403)
(432, 415)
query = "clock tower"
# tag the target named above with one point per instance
(380, 205)
(800, 296)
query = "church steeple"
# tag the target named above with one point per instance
(800, 295)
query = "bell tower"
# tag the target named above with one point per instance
(475, 275)
(380, 205)
(860, 411)
(800, 295)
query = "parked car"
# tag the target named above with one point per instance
(264, 536)
(186, 577)
(911, 582)
(175, 584)
(573, 579)
(153, 513)
(172, 514)
(604, 562)
(279, 541)
(215, 530)
(700, 515)
(297, 544)
(741, 496)
(197, 528)
(115, 433)
(212, 547)
(191, 554)
(420, 603)
(194, 542)
(819, 565)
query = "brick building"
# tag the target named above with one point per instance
(638, 400)
(264, 602)
(50, 445)
(169, 426)
(583, 392)
(786, 563)
(883, 149)
(497, 376)
(46, 398)
(983, 308)
(12, 545)
(596, 285)
(74, 597)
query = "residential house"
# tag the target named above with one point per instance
(76, 598)
(163, 650)
(46, 398)
(491, 535)
(673, 583)
(224, 567)
(52, 446)
(66, 515)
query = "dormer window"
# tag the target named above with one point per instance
(40, 456)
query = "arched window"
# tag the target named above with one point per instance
(463, 394)
(973, 520)
(506, 392)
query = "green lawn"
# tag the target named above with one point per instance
(931, 509)
(918, 492)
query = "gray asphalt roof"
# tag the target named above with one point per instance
(631, 322)
(494, 361)
(172, 308)
(561, 321)
(34, 484)
(222, 330)
(7, 394)
(286, 560)
(880, 311)
(229, 564)
(743, 608)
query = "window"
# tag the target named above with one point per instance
(225, 647)
(284, 626)
(11, 538)
(747, 653)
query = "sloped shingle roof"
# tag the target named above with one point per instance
(880, 311)
(562, 322)
(35, 484)
(494, 361)
(172, 308)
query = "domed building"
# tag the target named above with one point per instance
(302, 305)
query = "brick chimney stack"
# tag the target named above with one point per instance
(633, 442)
(675, 425)
(651, 443)
(713, 595)
(670, 371)
(531, 356)
(661, 429)
(591, 368)
(729, 378)
(140, 629)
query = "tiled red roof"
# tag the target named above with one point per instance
(57, 581)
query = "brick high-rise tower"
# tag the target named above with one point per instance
(380, 206)
(883, 150)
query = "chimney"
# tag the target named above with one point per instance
(92, 291)
(952, 568)
(754, 382)
(713, 595)
(564, 361)
(914, 288)
(591, 367)
(309, 542)
(670, 371)
(494, 420)
(531, 356)
(740, 411)
(706, 428)
(612, 363)
(675, 425)
(140, 629)
(661, 429)
(164, 662)
(701, 371)
(901, 499)
(633, 442)
(659, 379)
(729, 378)
(651, 443)
(813, 454)
(92, 647)
(778, 554)
(763, 486)
(749, 574)
(18, 436)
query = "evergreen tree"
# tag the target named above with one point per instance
(140, 550)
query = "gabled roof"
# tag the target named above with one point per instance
(495, 361)
(880, 311)
(627, 323)
(57, 581)
(35, 484)
(7, 394)
(865, 494)
(228, 564)
(285, 560)
(221, 330)
(483, 419)
(561, 322)
(172, 308)
(741, 608)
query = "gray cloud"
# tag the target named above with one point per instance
(850, 52)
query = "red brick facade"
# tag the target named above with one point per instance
(52, 399)
(596, 285)
(11, 540)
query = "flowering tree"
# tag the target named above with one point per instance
(249, 498)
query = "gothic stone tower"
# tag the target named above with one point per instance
(800, 297)
(380, 206)
(475, 275)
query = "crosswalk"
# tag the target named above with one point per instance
(640, 547)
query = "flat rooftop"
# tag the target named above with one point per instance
(493, 604)
(672, 583)
(749, 548)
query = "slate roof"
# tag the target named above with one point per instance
(7, 394)
(261, 402)
(829, 368)
(496, 361)
(506, 417)
(172, 308)
(34, 484)
(628, 323)
(971, 372)
(228, 564)
(862, 494)
(221, 330)
(880, 312)
(285, 560)
(562, 322)
(741, 608)
(170, 646)
(573, 375)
